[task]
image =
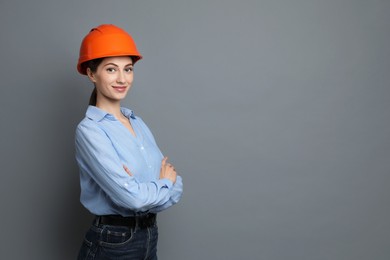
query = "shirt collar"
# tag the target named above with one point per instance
(127, 112)
(98, 114)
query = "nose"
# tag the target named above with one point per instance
(121, 78)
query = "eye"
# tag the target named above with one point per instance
(129, 69)
(111, 70)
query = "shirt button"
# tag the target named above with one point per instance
(142, 148)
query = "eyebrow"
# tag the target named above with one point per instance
(113, 64)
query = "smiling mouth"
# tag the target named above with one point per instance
(120, 88)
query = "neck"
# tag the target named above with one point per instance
(113, 108)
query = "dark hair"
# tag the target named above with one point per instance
(92, 65)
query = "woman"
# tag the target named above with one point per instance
(124, 178)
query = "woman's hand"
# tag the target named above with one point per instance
(127, 170)
(167, 170)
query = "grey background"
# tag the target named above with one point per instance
(276, 113)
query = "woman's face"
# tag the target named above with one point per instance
(113, 78)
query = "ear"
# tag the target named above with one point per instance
(91, 75)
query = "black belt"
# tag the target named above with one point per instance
(144, 221)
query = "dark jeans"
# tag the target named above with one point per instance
(119, 242)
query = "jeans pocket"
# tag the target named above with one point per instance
(86, 251)
(116, 236)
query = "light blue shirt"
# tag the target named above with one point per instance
(103, 146)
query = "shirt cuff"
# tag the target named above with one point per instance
(167, 183)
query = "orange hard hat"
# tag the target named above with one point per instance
(106, 40)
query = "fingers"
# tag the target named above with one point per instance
(164, 163)
(164, 160)
(167, 170)
(171, 166)
(127, 170)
